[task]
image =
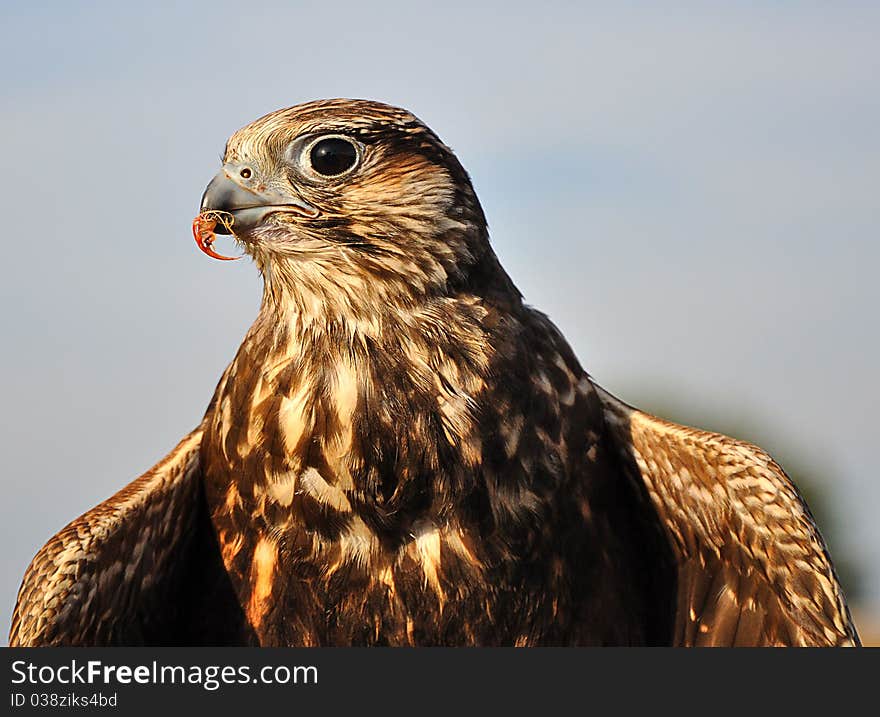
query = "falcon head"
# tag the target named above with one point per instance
(354, 198)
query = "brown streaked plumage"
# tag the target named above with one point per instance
(404, 453)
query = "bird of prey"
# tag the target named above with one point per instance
(403, 452)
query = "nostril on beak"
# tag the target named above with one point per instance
(231, 192)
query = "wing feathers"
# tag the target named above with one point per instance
(752, 566)
(93, 582)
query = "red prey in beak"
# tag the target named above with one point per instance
(203, 231)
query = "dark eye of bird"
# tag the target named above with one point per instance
(332, 156)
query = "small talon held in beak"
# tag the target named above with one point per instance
(203, 231)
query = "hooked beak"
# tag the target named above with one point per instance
(246, 205)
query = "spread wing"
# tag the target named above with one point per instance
(110, 576)
(752, 566)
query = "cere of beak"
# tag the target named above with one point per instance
(249, 205)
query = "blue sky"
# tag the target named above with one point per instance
(690, 192)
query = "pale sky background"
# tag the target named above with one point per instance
(690, 192)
